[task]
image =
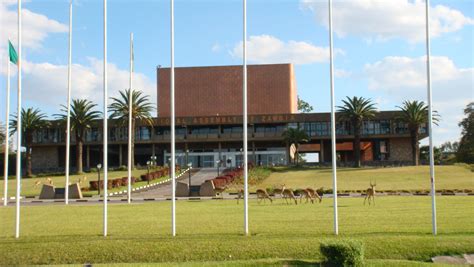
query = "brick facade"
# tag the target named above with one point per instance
(400, 149)
(211, 91)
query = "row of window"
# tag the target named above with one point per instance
(380, 127)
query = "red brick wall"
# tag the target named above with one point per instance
(208, 91)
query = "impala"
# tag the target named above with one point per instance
(305, 193)
(370, 193)
(279, 191)
(288, 193)
(314, 194)
(263, 194)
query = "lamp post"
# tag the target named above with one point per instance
(153, 160)
(189, 177)
(187, 157)
(99, 166)
(148, 163)
(241, 156)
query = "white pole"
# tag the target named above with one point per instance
(130, 130)
(68, 122)
(430, 119)
(7, 135)
(246, 199)
(333, 123)
(18, 130)
(105, 130)
(173, 174)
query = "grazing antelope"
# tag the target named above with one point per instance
(288, 193)
(263, 194)
(49, 181)
(370, 193)
(306, 194)
(279, 191)
(37, 183)
(314, 194)
(240, 195)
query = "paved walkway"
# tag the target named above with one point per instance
(164, 190)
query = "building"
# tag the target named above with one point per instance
(209, 125)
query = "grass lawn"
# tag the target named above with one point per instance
(400, 178)
(397, 229)
(28, 187)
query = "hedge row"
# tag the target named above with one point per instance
(112, 183)
(119, 182)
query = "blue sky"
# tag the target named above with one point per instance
(380, 48)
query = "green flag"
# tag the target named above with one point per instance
(13, 54)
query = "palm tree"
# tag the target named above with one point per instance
(31, 121)
(356, 110)
(142, 109)
(2, 134)
(83, 116)
(295, 136)
(415, 114)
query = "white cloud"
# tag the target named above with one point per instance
(266, 49)
(216, 48)
(340, 73)
(35, 27)
(404, 78)
(383, 20)
(45, 84)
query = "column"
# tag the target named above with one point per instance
(321, 151)
(120, 155)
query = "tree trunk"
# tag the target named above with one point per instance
(79, 152)
(415, 151)
(356, 145)
(133, 144)
(29, 172)
(28, 142)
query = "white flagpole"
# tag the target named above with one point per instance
(105, 130)
(68, 122)
(18, 130)
(246, 199)
(173, 169)
(7, 134)
(130, 130)
(333, 123)
(430, 119)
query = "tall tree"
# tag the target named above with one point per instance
(2, 134)
(295, 136)
(83, 116)
(304, 106)
(356, 110)
(141, 111)
(31, 120)
(415, 114)
(465, 152)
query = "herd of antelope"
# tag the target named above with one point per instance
(309, 194)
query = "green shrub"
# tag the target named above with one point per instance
(343, 252)
(122, 168)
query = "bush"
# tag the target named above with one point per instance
(343, 252)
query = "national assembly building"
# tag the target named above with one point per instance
(209, 125)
